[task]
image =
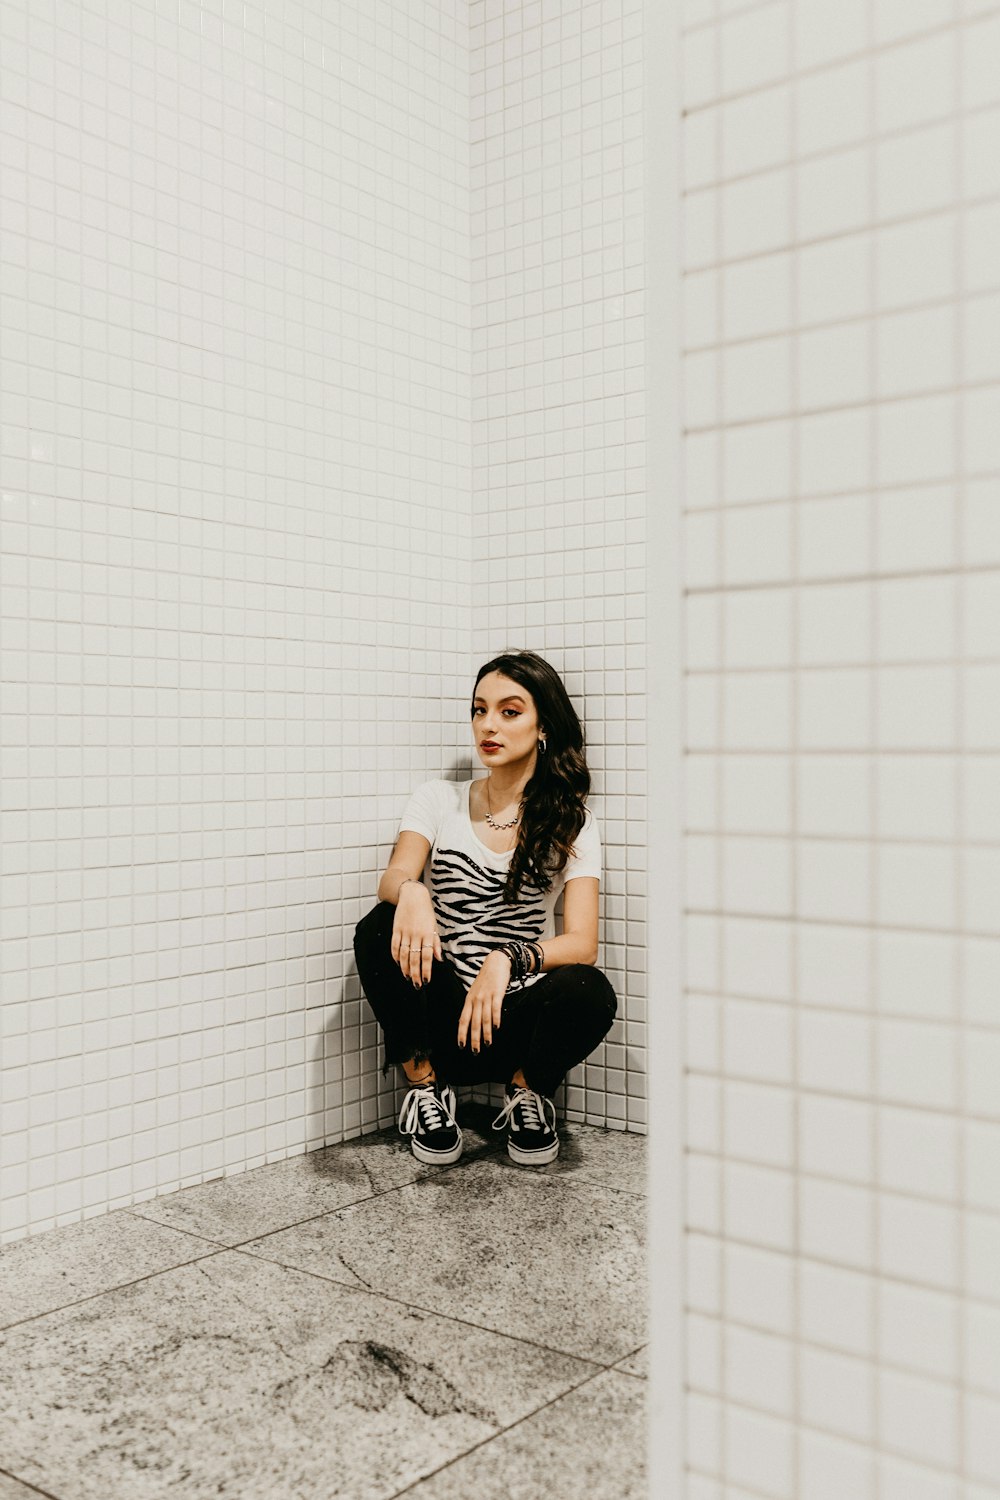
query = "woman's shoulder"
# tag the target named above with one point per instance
(440, 792)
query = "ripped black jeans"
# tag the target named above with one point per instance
(545, 1029)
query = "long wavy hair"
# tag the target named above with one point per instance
(554, 798)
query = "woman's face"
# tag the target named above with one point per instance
(504, 715)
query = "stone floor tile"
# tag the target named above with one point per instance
(237, 1378)
(64, 1265)
(13, 1489)
(590, 1444)
(247, 1204)
(520, 1250)
(616, 1158)
(637, 1363)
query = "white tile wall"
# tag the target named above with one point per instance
(236, 464)
(558, 432)
(281, 295)
(841, 398)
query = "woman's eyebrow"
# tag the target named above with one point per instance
(511, 698)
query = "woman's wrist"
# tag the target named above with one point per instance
(525, 958)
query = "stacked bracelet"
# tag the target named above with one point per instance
(525, 958)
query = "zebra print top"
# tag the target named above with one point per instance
(466, 880)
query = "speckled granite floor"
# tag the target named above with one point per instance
(344, 1324)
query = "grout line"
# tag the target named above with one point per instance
(240, 1247)
(937, 1288)
(832, 580)
(945, 29)
(476, 1447)
(367, 1291)
(890, 488)
(863, 404)
(723, 1351)
(933, 1466)
(962, 841)
(856, 320)
(32, 1489)
(881, 841)
(870, 138)
(782, 247)
(872, 602)
(135, 1211)
(840, 750)
(815, 1091)
(795, 630)
(842, 1350)
(924, 928)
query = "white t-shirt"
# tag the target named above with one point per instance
(466, 880)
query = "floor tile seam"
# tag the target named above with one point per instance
(537, 1176)
(219, 1245)
(410, 1488)
(345, 1286)
(309, 1218)
(629, 1192)
(204, 1239)
(433, 1312)
(119, 1286)
(135, 1211)
(31, 1488)
(637, 1350)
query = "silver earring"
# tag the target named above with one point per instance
(541, 745)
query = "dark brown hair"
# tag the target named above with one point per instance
(554, 798)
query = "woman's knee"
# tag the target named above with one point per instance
(375, 921)
(587, 984)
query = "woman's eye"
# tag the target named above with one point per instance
(513, 711)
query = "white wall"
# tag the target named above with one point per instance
(842, 546)
(236, 549)
(252, 490)
(558, 406)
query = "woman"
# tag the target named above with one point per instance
(461, 963)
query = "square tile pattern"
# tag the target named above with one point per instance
(347, 1323)
(840, 374)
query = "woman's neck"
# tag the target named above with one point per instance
(507, 785)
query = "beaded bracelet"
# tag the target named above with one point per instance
(525, 958)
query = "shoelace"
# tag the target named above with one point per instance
(422, 1107)
(533, 1109)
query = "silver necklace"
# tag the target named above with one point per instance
(489, 815)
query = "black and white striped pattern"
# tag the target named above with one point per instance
(472, 918)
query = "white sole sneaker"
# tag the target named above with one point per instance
(429, 1155)
(435, 1158)
(539, 1158)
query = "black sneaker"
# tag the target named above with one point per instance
(428, 1118)
(531, 1140)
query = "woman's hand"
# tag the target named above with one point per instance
(415, 942)
(481, 1012)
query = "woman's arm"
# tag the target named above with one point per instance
(577, 944)
(406, 863)
(415, 941)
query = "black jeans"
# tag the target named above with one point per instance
(545, 1029)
